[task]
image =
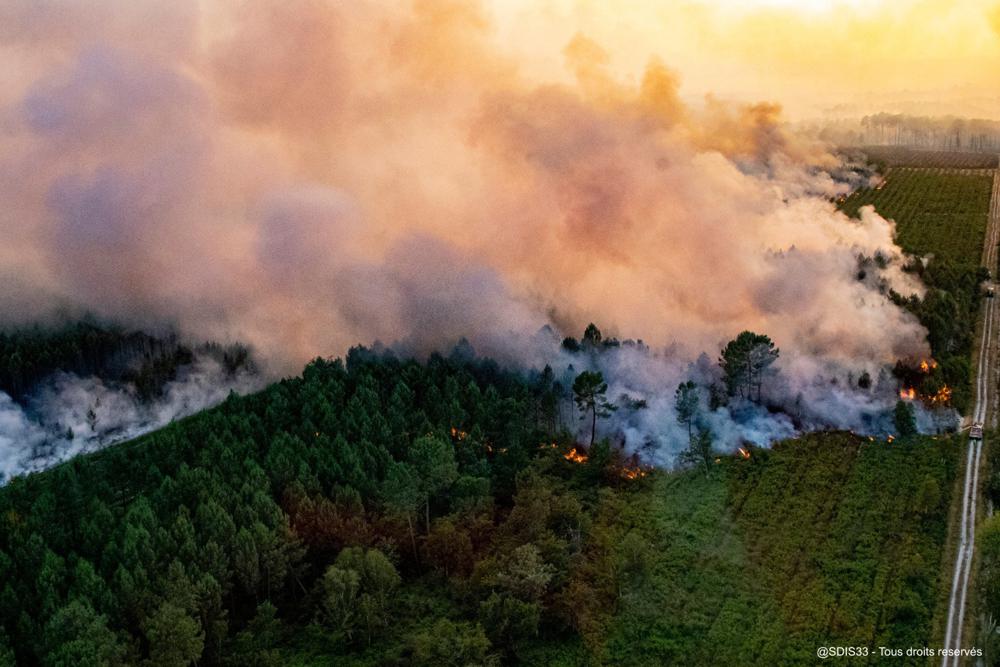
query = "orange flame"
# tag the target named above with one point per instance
(942, 396)
(744, 453)
(575, 456)
(634, 473)
(458, 434)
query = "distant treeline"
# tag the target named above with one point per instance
(928, 132)
(902, 156)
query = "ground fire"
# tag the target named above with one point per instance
(939, 398)
(942, 396)
(634, 473)
(918, 381)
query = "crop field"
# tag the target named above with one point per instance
(829, 539)
(900, 156)
(939, 213)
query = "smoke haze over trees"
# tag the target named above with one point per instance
(77, 387)
(395, 173)
(392, 512)
(474, 286)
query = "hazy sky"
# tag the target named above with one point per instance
(854, 56)
(919, 56)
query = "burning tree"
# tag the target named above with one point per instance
(745, 361)
(589, 392)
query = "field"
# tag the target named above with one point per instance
(937, 213)
(900, 156)
(830, 539)
(943, 211)
(986, 593)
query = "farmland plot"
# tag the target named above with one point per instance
(936, 213)
(828, 539)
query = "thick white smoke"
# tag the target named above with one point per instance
(799, 394)
(69, 415)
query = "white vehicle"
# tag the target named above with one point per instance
(976, 431)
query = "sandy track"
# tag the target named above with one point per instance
(956, 633)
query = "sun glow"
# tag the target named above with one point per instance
(858, 56)
(813, 6)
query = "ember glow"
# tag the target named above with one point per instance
(636, 472)
(942, 396)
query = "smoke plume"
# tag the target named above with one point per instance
(69, 415)
(310, 175)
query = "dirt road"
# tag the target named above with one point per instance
(958, 633)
